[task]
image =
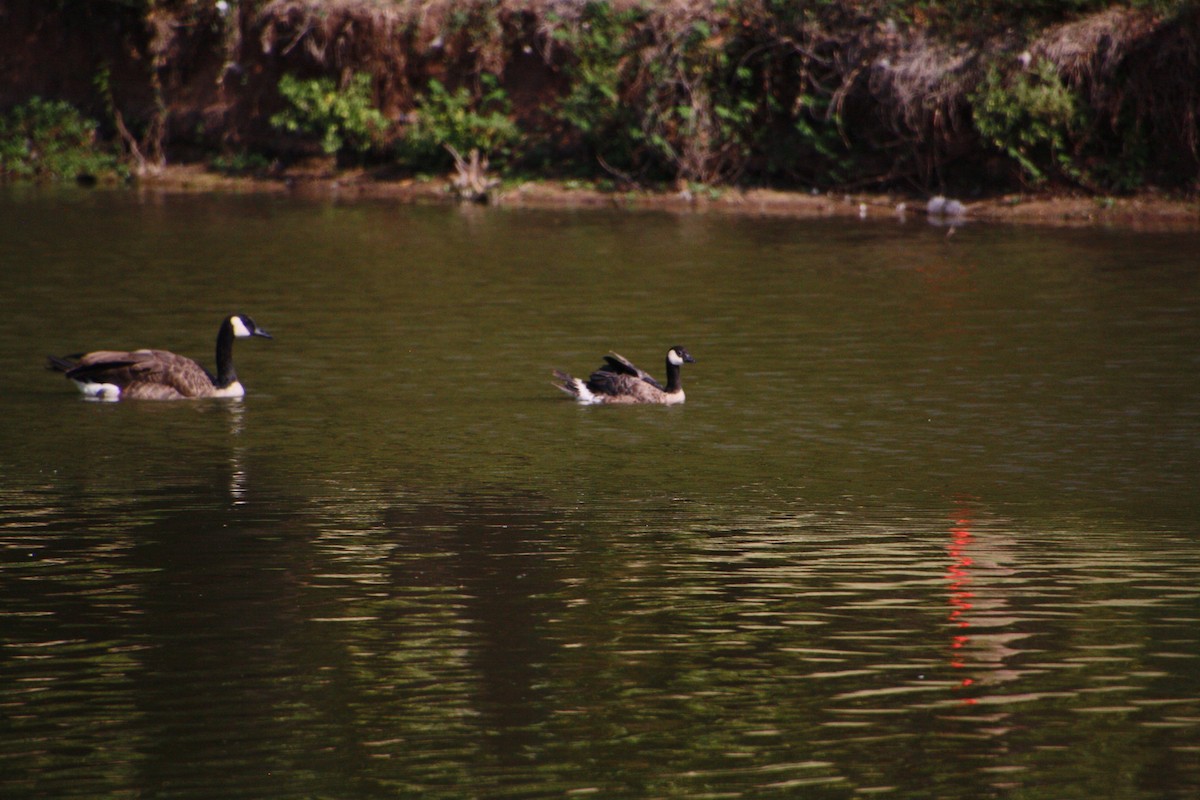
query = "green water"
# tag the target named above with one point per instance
(926, 526)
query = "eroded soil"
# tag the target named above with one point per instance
(1147, 211)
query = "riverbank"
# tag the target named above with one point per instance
(1147, 211)
(1099, 98)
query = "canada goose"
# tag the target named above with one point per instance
(159, 374)
(619, 381)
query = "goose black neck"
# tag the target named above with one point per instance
(673, 384)
(225, 372)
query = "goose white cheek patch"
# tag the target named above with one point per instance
(239, 328)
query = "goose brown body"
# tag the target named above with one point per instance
(618, 381)
(159, 374)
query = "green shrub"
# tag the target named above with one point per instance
(698, 120)
(1029, 118)
(51, 140)
(706, 103)
(648, 106)
(343, 119)
(459, 120)
(1121, 167)
(603, 43)
(240, 163)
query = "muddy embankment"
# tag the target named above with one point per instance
(823, 109)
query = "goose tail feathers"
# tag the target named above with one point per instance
(573, 386)
(60, 363)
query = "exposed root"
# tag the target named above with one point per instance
(471, 182)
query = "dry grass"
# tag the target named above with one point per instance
(1137, 71)
(427, 26)
(1092, 49)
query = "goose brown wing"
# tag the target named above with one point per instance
(615, 362)
(106, 366)
(627, 388)
(618, 364)
(604, 381)
(145, 369)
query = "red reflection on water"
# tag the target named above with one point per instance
(984, 627)
(958, 573)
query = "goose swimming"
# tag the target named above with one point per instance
(619, 381)
(159, 374)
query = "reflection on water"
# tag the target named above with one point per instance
(981, 645)
(921, 529)
(237, 467)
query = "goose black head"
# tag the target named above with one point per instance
(679, 355)
(243, 326)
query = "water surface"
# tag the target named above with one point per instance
(926, 526)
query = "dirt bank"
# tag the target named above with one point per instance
(1071, 105)
(1148, 211)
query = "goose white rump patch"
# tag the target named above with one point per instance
(582, 393)
(99, 391)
